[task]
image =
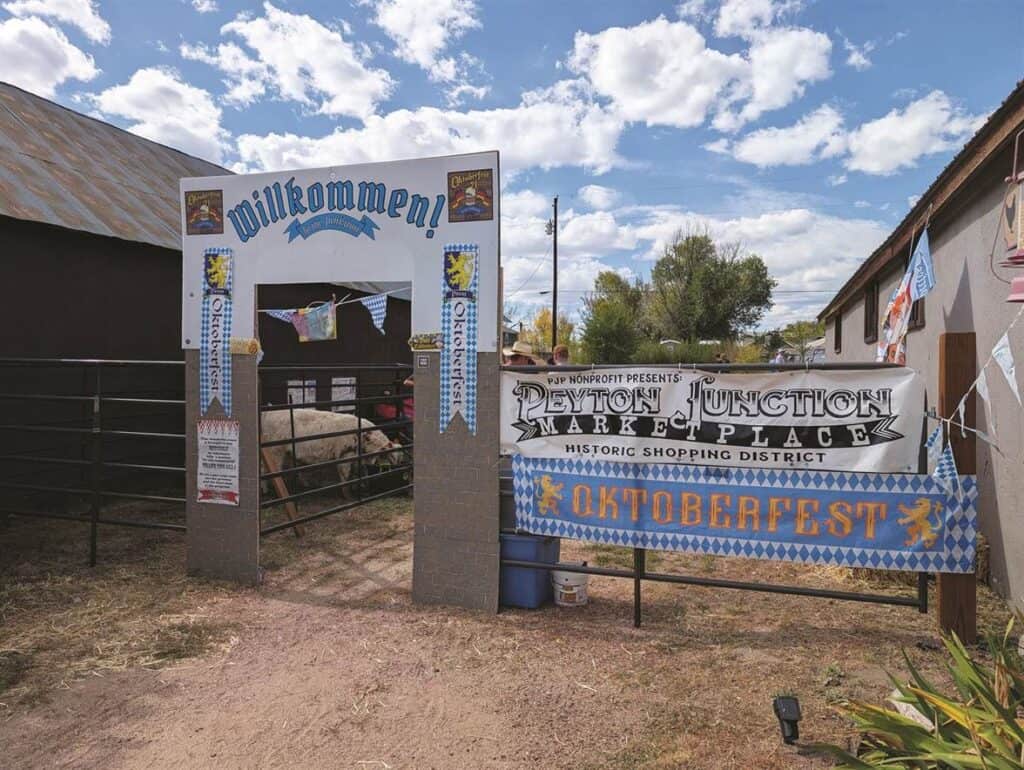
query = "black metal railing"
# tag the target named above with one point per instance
(373, 398)
(639, 572)
(73, 433)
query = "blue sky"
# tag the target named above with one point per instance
(802, 129)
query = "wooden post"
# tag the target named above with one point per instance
(290, 510)
(957, 594)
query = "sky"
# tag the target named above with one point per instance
(801, 129)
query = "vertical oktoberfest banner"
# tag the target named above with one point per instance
(215, 331)
(458, 335)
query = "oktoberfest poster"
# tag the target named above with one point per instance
(817, 420)
(217, 477)
(873, 520)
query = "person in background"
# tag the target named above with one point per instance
(780, 357)
(520, 354)
(559, 356)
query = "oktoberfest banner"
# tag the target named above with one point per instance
(458, 335)
(835, 420)
(215, 331)
(873, 520)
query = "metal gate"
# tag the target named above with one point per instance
(79, 435)
(367, 394)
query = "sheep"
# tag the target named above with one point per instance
(277, 425)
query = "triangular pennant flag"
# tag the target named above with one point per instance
(961, 414)
(945, 471)
(934, 443)
(981, 385)
(281, 315)
(1004, 357)
(378, 307)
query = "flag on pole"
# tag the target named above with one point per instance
(921, 270)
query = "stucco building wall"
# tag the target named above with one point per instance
(967, 246)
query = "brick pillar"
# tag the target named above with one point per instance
(455, 552)
(223, 541)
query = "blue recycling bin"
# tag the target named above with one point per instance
(525, 587)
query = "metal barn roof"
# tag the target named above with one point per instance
(64, 168)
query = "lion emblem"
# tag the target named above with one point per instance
(460, 270)
(548, 495)
(918, 523)
(217, 267)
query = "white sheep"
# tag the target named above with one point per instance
(277, 425)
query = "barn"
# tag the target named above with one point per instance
(90, 226)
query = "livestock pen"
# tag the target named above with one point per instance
(101, 442)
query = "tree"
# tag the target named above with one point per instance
(611, 319)
(800, 334)
(609, 331)
(538, 333)
(703, 290)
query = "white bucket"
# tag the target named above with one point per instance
(570, 587)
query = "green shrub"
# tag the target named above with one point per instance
(977, 727)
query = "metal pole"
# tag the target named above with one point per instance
(97, 467)
(639, 567)
(554, 279)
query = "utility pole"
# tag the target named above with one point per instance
(552, 229)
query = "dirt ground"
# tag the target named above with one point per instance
(329, 664)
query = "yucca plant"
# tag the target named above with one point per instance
(978, 727)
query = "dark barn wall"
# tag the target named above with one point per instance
(358, 342)
(70, 294)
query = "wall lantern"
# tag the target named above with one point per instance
(1016, 290)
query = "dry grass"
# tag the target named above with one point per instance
(61, 621)
(691, 688)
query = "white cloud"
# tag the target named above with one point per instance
(929, 125)
(526, 278)
(246, 79)
(782, 62)
(745, 18)
(658, 72)
(423, 30)
(835, 180)
(698, 10)
(205, 6)
(550, 128)
(38, 57)
(861, 204)
(857, 55)
(598, 197)
(663, 73)
(299, 58)
(720, 146)
(83, 14)
(165, 109)
(817, 133)
(524, 204)
(912, 200)
(458, 93)
(926, 126)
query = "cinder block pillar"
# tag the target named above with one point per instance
(223, 541)
(455, 552)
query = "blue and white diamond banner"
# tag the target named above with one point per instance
(884, 521)
(215, 331)
(459, 286)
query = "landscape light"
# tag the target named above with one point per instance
(787, 710)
